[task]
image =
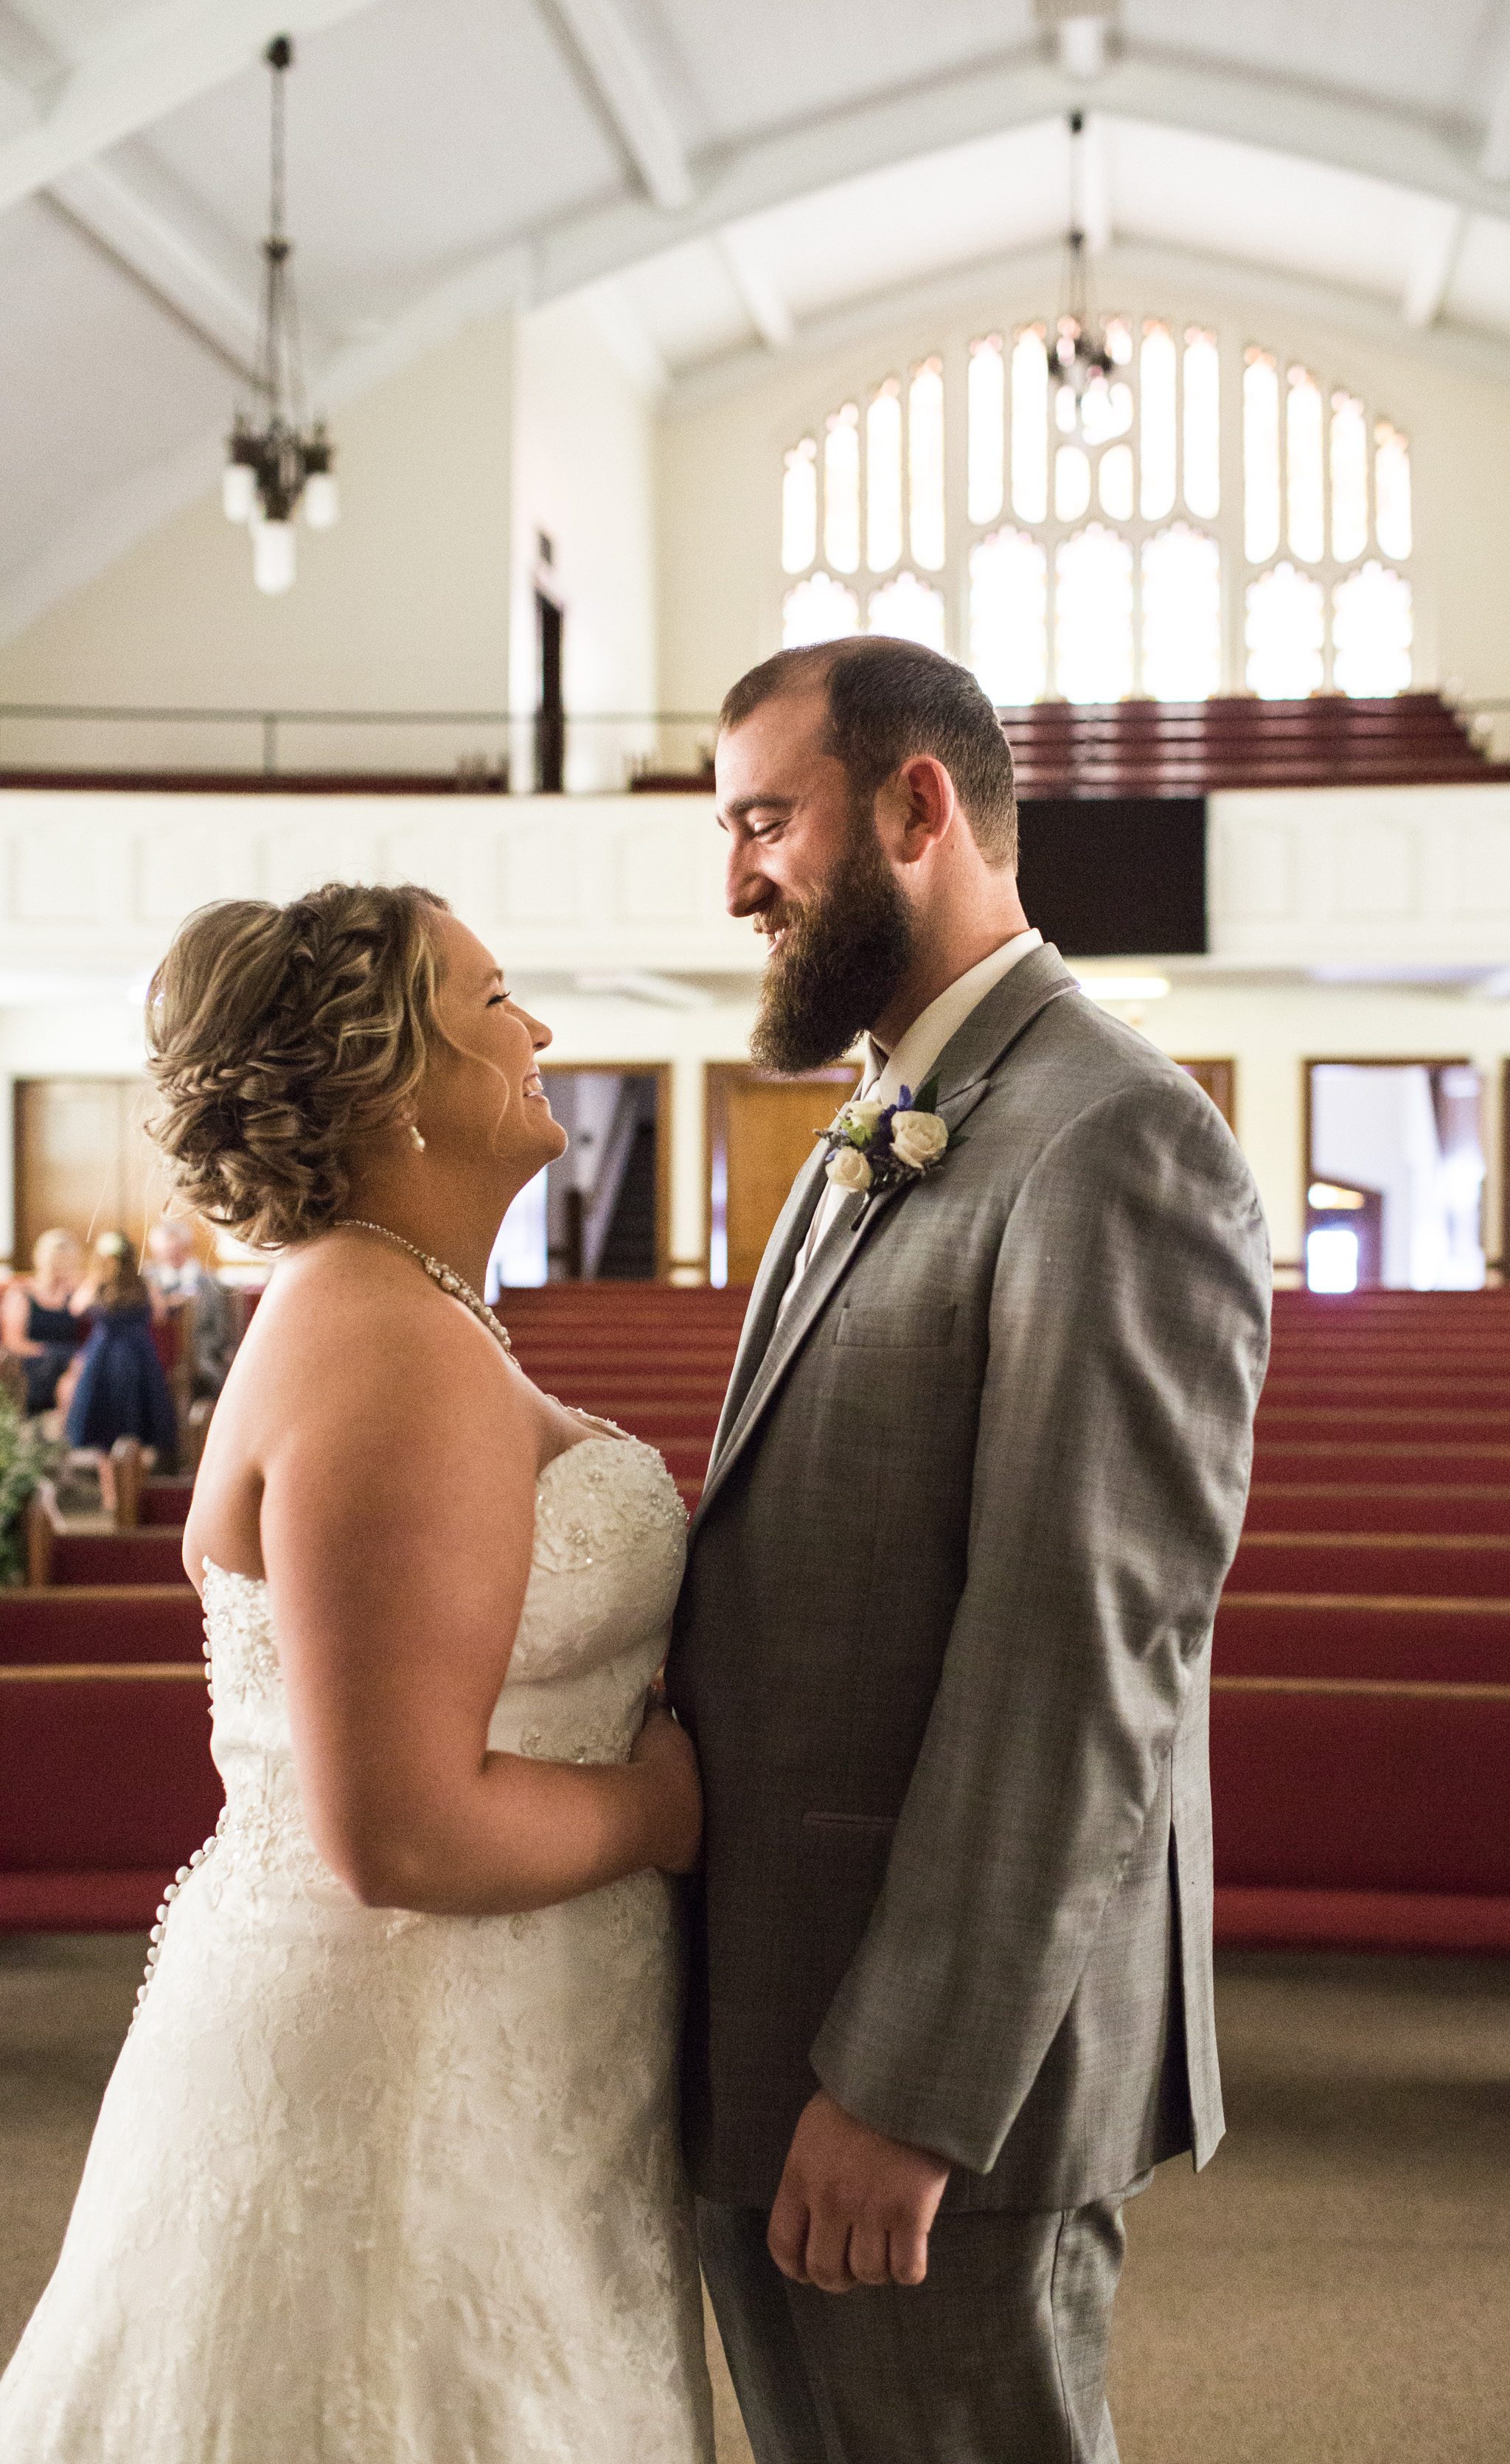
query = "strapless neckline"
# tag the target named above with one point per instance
(258, 1582)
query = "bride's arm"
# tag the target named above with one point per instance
(397, 1519)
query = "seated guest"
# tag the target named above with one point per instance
(189, 1292)
(120, 1390)
(36, 1324)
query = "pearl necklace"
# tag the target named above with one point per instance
(445, 1277)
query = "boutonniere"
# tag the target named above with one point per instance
(877, 1146)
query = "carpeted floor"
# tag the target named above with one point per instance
(1333, 2290)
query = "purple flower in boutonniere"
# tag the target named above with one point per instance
(877, 1146)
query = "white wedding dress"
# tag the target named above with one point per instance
(374, 2188)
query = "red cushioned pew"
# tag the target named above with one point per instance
(106, 1784)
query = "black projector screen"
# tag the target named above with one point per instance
(1116, 876)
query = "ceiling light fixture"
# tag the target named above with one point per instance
(279, 458)
(1081, 357)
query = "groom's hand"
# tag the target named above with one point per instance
(854, 2207)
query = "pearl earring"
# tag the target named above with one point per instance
(413, 1132)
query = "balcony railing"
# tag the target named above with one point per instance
(1063, 749)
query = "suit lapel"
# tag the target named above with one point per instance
(769, 1344)
(775, 1274)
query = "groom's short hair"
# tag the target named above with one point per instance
(889, 700)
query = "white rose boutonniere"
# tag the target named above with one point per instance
(848, 1168)
(874, 1146)
(917, 1139)
(862, 1119)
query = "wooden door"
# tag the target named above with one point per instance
(1218, 1078)
(760, 1129)
(84, 1160)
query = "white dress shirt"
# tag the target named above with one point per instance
(887, 1074)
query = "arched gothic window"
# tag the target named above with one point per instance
(1085, 547)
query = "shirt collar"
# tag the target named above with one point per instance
(912, 1061)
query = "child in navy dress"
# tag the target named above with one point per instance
(122, 1391)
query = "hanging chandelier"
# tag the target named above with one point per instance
(1081, 357)
(278, 458)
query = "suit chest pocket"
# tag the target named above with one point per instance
(909, 1326)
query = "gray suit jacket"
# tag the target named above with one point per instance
(944, 1638)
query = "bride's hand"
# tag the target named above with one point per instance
(665, 1753)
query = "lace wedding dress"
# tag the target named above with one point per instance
(374, 2188)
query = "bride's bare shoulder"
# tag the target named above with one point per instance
(350, 1319)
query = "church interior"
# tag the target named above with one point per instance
(489, 384)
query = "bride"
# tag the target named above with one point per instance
(387, 2171)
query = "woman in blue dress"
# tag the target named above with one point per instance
(122, 1391)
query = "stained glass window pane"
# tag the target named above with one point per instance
(1066, 410)
(1093, 609)
(1157, 372)
(1106, 410)
(842, 488)
(799, 507)
(925, 462)
(1114, 480)
(1009, 617)
(1392, 489)
(1260, 458)
(819, 609)
(883, 478)
(1119, 340)
(1203, 466)
(1182, 614)
(1371, 631)
(1071, 483)
(911, 609)
(986, 409)
(1302, 456)
(1350, 478)
(1284, 614)
(1030, 426)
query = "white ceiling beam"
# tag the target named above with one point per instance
(1082, 45)
(760, 294)
(154, 246)
(154, 61)
(1435, 245)
(623, 81)
(992, 286)
(991, 97)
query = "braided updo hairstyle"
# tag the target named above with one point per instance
(277, 1037)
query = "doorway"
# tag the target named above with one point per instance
(550, 708)
(1219, 1080)
(760, 1129)
(601, 1213)
(1394, 1167)
(83, 1160)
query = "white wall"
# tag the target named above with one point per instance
(719, 463)
(584, 473)
(404, 605)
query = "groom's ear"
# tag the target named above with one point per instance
(921, 807)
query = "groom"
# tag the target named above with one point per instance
(944, 1638)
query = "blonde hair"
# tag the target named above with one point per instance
(48, 1244)
(280, 1036)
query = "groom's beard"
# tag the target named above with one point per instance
(842, 956)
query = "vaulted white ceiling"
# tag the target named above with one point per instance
(737, 182)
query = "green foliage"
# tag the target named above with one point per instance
(27, 1457)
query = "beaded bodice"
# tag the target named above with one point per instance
(610, 1536)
